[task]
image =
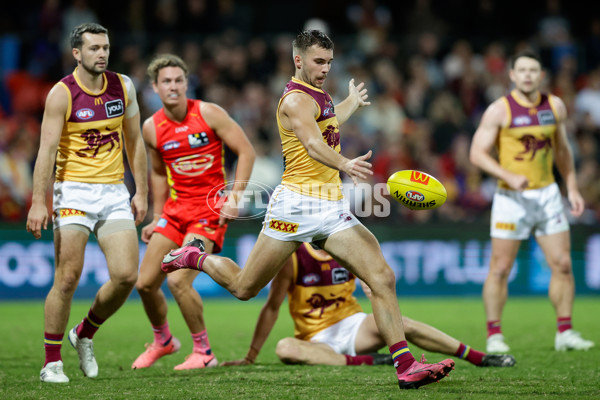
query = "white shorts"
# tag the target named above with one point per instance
(88, 204)
(292, 216)
(341, 336)
(515, 215)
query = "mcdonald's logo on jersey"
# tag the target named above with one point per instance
(98, 101)
(419, 177)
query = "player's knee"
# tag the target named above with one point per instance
(562, 265)
(287, 351)
(67, 282)
(500, 267)
(177, 283)
(126, 279)
(381, 279)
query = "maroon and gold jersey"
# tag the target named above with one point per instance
(321, 293)
(91, 143)
(525, 144)
(303, 174)
(193, 155)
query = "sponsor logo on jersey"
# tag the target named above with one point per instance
(311, 279)
(281, 226)
(161, 223)
(522, 120)
(419, 177)
(546, 117)
(198, 139)
(171, 145)
(506, 226)
(181, 128)
(339, 275)
(414, 195)
(193, 165)
(114, 108)
(85, 113)
(329, 109)
(69, 212)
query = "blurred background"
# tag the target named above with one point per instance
(431, 68)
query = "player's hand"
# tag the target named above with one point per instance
(229, 211)
(139, 207)
(577, 203)
(358, 167)
(517, 182)
(147, 231)
(234, 363)
(37, 218)
(359, 93)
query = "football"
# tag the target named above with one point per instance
(416, 190)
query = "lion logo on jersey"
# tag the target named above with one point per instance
(532, 145)
(95, 139)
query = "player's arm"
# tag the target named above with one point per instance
(268, 314)
(564, 159)
(297, 111)
(158, 177)
(483, 142)
(357, 97)
(233, 137)
(136, 153)
(52, 126)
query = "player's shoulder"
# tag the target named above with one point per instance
(497, 110)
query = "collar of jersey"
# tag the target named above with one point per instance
(88, 91)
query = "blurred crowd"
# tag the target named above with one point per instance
(431, 68)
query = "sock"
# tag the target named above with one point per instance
(467, 353)
(359, 360)
(201, 258)
(401, 356)
(162, 334)
(563, 324)
(493, 327)
(90, 324)
(52, 345)
(201, 344)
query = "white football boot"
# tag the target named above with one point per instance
(571, 340)
(495, 344)
(53, 373)
(85, 350)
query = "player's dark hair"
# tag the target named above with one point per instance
(89, 27)
(306, 39)
(527, 54)
(162, 61)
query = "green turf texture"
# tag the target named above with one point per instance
(528, 326)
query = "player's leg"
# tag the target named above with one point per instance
(69, 247)
(295, 351)
(557, 249)
(495, 290)
(148, 286)
(190, 303)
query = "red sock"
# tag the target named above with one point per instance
(493, 327)
(563, 324)
(401, 356)
(90, 324)
(201, 344)
(359, 360)
(467, 353)
(52, 345)
(162, 333)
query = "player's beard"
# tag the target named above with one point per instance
(92, 68)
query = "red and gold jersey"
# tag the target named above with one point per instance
(193, 155)
(303, 174)
(321, 294)
(525, 144)
(91, 144)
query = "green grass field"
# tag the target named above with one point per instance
(528, 325)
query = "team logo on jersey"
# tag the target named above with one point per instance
(339, 275)
(319, 302)
(114, 108)
(532, 145)
(198, 139)
(546, 117)
(85, 113)
(193, 165)
(95, 140)
(522, 120)
(285, 227)
(171, 145)
(311, 279)
(332, 136)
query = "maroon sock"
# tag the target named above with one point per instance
(564, 324)
(52, 345)
(493, 327)
(467, 353)
(201, 258)
(359, 360)
(90, 324)
(401, 356)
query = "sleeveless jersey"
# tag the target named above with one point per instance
(321, 293)
(302, 174)
(525, 144)
(193, 155)
(91, 143)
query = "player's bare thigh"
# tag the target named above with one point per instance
(122, 254)
(368, 338)
(557, 250)
(69, 247)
